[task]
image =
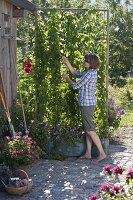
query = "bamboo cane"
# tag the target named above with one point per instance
(4, 103)
(22, 106)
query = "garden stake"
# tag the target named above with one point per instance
(4, 103)
(22, 106)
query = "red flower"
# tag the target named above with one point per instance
(108, 169)
(27, 65)
(116, 188)
(117, 170)
(104, 187)
(93, 197)
(27, 70)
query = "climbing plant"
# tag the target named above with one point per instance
(72, 34)
(45, 96)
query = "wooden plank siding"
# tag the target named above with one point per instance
(8, 50)
(24, 4)
(8, 43)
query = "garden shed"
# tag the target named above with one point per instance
(10, 11)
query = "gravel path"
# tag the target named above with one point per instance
(75, 178)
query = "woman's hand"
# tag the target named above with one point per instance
(65, 76)
(68, 64)
(65, 60)
(67, 79)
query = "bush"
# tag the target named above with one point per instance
(114, 114)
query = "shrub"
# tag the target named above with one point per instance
(115, 113)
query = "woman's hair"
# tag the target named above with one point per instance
(93, 60)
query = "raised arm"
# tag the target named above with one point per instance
(68, 64)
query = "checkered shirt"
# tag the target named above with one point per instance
(86, 87)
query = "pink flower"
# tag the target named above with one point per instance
(111, 192)
(93, 197)
(27, 139)
(130, 173)
(33, 159)
(30, 151)
(8, 138)
(29, 156)
(108, 169)
(117, 170)
(18, 137)
(104, 187)
(116, 188)
(14, 153)
(20, 151)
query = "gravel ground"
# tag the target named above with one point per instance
(75, 178)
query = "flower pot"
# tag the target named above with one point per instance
(49, 146)
(74, 149)
(78, 148)
(105, 144)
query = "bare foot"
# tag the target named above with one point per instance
(100, 158)
(85, 157)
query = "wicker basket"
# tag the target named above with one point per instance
(20, 190)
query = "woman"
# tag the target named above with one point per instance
(87, 100)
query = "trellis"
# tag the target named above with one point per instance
(105, 11)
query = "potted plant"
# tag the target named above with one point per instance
(20, 151)
(68, 141)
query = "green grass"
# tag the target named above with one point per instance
(127, 119)
(124, 98)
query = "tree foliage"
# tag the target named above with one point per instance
(121, 45)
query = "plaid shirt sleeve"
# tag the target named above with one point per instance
(84, 79)
(78, 74)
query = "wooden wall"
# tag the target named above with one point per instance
(8, 49)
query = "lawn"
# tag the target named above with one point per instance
(127, 119)
(124, 98)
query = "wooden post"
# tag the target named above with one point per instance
(107, 65)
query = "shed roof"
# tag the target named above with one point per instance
(23, 4)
